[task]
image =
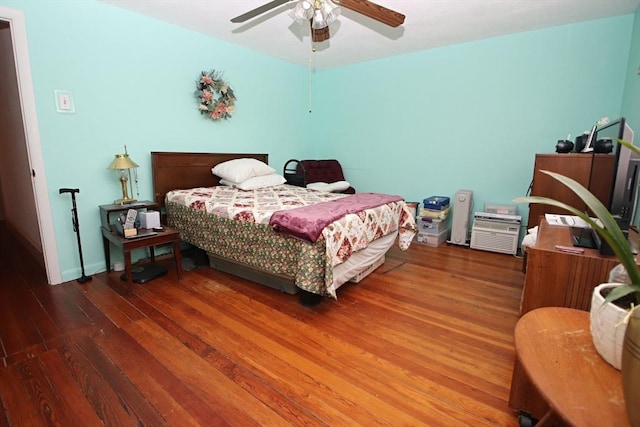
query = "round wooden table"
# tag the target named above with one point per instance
(555, 348)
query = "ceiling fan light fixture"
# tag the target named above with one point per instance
(302, 12)
(321, 13)
(318, 20)
(330, 11)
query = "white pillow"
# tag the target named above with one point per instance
(239, 170)
(334, 187)
(228, 183)
(256, 182)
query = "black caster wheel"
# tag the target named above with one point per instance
(525, 420)
(308, 299)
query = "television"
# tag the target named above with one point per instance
(624, 189)
(619, 178)
(614, 180)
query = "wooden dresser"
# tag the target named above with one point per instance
(593, 171)
(561, 279)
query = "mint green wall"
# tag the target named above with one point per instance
(428, 123)
(470, 116)
(631, 98)
(133, 80)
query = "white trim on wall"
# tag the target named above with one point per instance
(32, 136)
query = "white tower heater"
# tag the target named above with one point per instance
(462, 204)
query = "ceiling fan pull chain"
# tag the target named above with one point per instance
(310, 82)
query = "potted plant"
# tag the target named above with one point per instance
(607, 227)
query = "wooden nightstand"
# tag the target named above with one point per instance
(169, 235)
(144, 239)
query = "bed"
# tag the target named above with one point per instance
(239, 239)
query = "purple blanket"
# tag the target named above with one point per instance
(307, 222)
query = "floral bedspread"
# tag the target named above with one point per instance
(223, 211)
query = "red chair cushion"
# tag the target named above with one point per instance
(323, 171)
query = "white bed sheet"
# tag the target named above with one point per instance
(361, 260)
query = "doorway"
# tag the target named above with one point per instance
(24, 201)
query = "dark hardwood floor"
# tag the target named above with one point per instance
(424, 340)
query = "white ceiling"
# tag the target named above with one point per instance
(356, 38)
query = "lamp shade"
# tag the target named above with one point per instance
(303, 11)
(122, 161)
(330, 12)
(122, 164)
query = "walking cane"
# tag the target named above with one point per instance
(76, 227)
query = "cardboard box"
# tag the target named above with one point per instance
(130, 232)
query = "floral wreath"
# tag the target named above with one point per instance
(215, 97)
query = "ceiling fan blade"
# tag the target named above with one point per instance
(259, 10)
(374, 11)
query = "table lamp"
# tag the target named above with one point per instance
(122, 164)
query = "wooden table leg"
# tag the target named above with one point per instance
(107, 252)
(177, 257)
(127, 270)
(523, 396)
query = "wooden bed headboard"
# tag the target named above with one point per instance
(172, 171)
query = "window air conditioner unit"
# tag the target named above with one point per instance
(495, 232)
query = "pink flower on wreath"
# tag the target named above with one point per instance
(206, 95)
(210, 105)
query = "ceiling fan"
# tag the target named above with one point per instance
(320, 13)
